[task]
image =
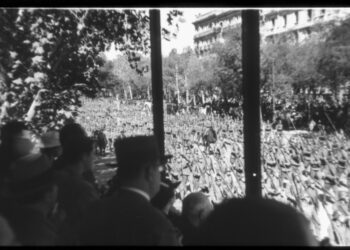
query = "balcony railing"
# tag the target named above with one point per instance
(207, 32)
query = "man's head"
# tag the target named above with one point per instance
(50, 144)
(33, 181)
(196, 207)
(256, 222)
(16, 139)
(139, 162)
(80, 152)
(69, 132)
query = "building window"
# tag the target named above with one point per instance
(308, 31)
(309, 15)
(323, 12)
(285, 21)
(296, 17)
(296, 36)
(273, 23)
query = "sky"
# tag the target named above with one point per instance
(185, 33)
(184, 36)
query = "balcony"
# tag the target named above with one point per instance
(208, 32)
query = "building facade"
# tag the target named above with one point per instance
(213, 26)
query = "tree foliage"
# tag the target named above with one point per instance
(229, 69)
(334, 61)
(60, 50)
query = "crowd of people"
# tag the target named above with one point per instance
(298, 111)
(307, 170)
(51, 193)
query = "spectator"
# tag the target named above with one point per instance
(50, 145)
(68, 134)
(15, 143)
(34, 195)
(195, 209)
(256, 222)
(74, 192)
(127, 217)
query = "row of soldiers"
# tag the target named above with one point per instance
(309, 171)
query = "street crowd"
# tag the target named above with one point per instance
(306, 169)
(54, 191)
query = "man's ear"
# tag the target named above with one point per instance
(149, 172)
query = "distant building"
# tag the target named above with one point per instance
(297, 23)
(212, 26)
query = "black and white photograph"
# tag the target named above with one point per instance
(174, 126)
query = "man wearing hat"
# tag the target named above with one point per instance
(34, 191)
(127, 217)
(50, 145)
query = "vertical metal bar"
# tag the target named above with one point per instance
(157, 78)
(251, 101)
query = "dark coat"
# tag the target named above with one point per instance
(74, 195)
(126, 218)
(31, 227)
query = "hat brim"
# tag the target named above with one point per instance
(52, 145)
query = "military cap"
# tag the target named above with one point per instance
(329, 179)
(295, 164)
(295, 158)
(239, 170)
(315, 166)
(307, 153)
(341, 163)
(285, 169)
(273, 193)
(196, 175)
(271, 163)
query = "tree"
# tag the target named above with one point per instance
(171, 74)
(303, 60)
(334, 61)
(201, 74)
(229, 69)
(59, 50)
(276, 67)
